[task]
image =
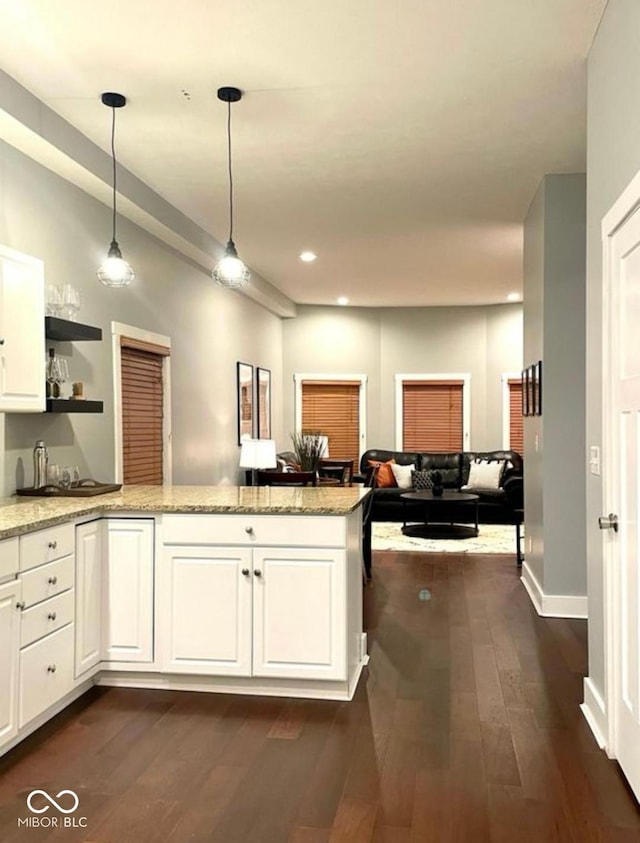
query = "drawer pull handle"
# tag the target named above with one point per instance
(257, 572)
(51, 616)
(51, 668)
(245, 572)
(21, 605)
(249, 530)
(52, 545)
(52, 580)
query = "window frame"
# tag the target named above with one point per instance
(298, 379)
(506, 407)
(465, 377)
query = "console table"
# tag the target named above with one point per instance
(433, 527)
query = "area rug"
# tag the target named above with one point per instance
(492, 538)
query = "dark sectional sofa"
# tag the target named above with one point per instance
(504, 506)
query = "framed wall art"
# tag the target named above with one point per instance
(245, 402)
(538, 370)
(264, 403)
(533, 400)
(525, 392)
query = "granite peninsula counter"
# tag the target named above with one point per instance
(249, 590)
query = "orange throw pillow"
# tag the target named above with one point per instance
(385, 478)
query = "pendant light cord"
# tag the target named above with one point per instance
(113, 160)
(230, 170)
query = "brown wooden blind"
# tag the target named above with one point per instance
(333, 408)
(432, 416)
(516, 433)
(142, 416)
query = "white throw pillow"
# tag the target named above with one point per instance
(484, 476)
(402, 473)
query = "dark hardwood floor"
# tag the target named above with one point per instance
(465, 728)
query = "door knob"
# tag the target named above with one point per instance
(21, 605)
(257, 572)
(608, 522)
(248, 530)
(245, 572)
(52, 580)
(51, 616)
(51, 668)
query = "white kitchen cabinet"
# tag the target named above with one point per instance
(10, 595)
(128, 591)
(206, 610)
(22, 350)
(46, 673)
(299, 628)
(89, 560)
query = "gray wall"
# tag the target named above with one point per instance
(613, 159)
(210, 328)
(554, 332)
(484, 341)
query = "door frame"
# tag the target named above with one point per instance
(465, 377)
(118, 330)
(627, 204)
(506, 407)
(299, 377)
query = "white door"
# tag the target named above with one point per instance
(299, 613)
(88, 595)
(22, 382)
(127, 591)
(9, 649)
(622, 548)
(206, 610)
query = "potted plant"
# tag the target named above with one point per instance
(309, 447)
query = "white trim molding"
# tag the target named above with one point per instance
(299, 377)
(594, 712)
(465, 377)
(118, 330)
(553, 605)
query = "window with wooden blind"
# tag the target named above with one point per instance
(516, 431)
(432, 415)
(142, 412)
(333, 408)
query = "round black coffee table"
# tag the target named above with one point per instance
(433, 526)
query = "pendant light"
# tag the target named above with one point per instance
(230, 271)
(115, 271)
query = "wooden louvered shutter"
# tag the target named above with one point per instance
(516, 434)
(432, 416)
(333, 408)
(142, 413)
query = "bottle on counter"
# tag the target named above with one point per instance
(40, 461)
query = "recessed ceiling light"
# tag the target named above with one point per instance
(513, 297)
(307, 257)
(343, 300)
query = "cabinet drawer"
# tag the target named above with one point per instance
(46, 617)
(46, 673)
(46, 545)
(9, 557)
(291, 530)
(47, 580)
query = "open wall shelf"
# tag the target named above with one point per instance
(64, 330)
(70, 405)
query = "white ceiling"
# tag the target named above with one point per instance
(402, 142)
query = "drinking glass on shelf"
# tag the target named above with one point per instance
(66, 476)
(63, 374)
(54, 300)
(54, 375)
(75, 475)
(70, 301)
(53, 474)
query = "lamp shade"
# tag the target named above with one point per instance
(258, 453)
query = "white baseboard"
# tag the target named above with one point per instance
(594, 712)
(553, 605)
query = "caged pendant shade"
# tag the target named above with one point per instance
(114, 271)
(230, 271)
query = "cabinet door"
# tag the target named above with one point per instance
(127, 591)
(206, 610)
(89, 557)
(9, 649)
(22, 382)
(299, 613)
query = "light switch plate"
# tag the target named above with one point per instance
(594, 460)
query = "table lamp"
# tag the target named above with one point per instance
(256, 454)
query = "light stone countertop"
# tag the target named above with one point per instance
(23, 514)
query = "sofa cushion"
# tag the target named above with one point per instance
(449, 466)
(403, 473)
(385, 478)
(422, 480)
(484, 475)
(513, 462)
(380, 455)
